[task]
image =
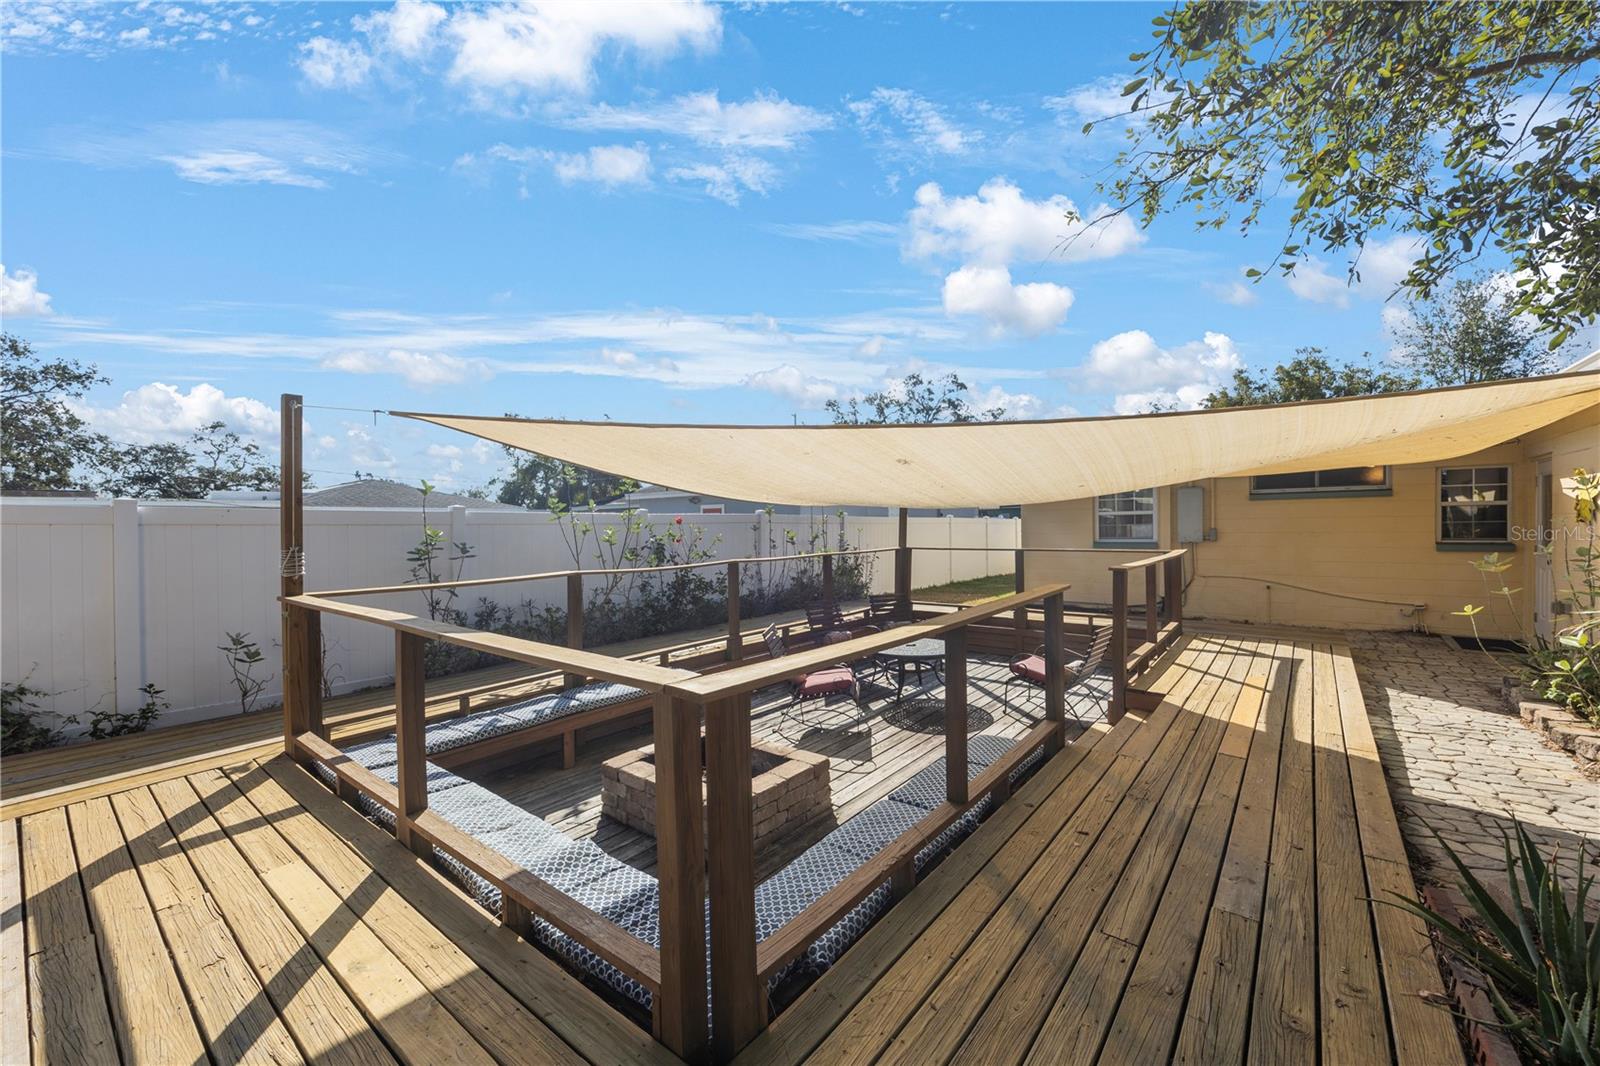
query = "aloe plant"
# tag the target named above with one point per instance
(1540, 958)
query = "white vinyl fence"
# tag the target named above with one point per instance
(100, 597)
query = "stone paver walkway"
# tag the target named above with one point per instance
(1456, 762)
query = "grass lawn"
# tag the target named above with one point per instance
(974, 590)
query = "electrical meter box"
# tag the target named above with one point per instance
(1191, 514)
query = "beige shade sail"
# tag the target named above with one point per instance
(993, 463)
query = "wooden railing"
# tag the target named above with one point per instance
(690, 864)
(1159, 627)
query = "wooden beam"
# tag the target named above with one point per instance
(827, 585)
(756, 675)
(955, 716)
(1118, 652)
(574, 624)
(291, 572)
(735, 650)
(1175, 591)
(902, 568)
(680, 1006)
(1019, 618)
(1152, 619)
(737, 1000)
(1055, 673)
(412, 765)
(643, 675)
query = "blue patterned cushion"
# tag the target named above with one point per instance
(874, 828)
(469, 729)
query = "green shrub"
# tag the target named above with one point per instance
(1541, 958)
(21, 726)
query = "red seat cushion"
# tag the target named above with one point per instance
(828, 682)
(1030, 668)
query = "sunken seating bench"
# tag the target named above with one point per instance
(630, 898)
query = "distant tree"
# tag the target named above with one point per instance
(1385, 117)
(215, 459)
(913, 400)
(43, 444)
(1468, 335)
(1308, 376)
(539, 483)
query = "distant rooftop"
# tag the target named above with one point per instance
(379, 492)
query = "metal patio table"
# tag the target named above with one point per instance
(914, 657)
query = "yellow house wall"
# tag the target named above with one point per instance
(1340, 562)
(1570, 444)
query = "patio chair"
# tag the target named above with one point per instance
(1029, 670)
(880, 608)
(828, 625)
(816, 684)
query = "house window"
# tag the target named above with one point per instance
(711, 508)
(1474, 504)
(1343, 481)
(1125, 518)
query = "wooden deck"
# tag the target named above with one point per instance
(1188, 885)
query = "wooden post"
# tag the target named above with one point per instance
(1152, 614)
(1055, 673)
(574, 623)
(737, 1000)
(735, 631)
(412, 766)
(1019, 617)
(902, 569)
(1175, 592)
(297, 710)
(955, 715)
(680, 1005)
(827, 585)
(1118, 652)
(311, 673)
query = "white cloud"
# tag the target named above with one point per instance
(1015, 404)
(1000, 225)
(1100, 99)
(1382, 264)
(548, 47)
(97, 30)
(160, 412)
(854, 231)
(918, 122)
(407, 29)
(422, 369)
(273, 151)
(764, 121)
(20, 296)
(1146, 375)
(611, 166)
(1030, 309)
(1237, 293)
(789, 382)
(228, 167)
(330, 64)
(1311, 281)
(730, 179)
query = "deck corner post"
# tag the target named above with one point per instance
(297, 709)
(902, 568)
(680, 1004)
(574, 622)
(1152, 613)
(1118, 652)
(411, 762)
(737, 995)
(827, 583)
(1019, 617)
(1055, 672)
(735, 650)
(1174, 578)
(955, 716)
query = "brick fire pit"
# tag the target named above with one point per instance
(789, 788)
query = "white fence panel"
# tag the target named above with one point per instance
(98, 597)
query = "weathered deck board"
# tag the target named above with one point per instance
(1193, 889)
(1191, 884)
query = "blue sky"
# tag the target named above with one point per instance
(669, 213)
